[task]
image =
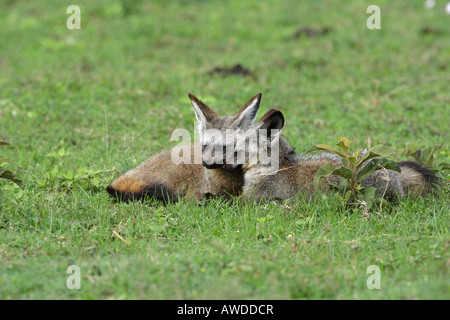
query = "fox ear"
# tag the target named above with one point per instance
(203, 113)
(272, 120)
(247, 115)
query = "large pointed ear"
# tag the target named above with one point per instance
(247, 115)
(272, 120)
(203, 113)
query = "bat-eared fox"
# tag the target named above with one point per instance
(293, 176)
(160, 178)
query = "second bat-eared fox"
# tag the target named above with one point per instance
(239, 157)
(294, 174)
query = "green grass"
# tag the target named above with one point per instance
(80, 107)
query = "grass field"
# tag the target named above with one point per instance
(80, 107)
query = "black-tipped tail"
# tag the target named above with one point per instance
(156, 191)
(428, 176)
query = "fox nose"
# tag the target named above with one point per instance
(212, 165)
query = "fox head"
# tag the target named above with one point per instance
(260, 145)
(219, 135)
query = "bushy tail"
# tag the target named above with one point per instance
(417, 178)
(414, 179)
(130, 189)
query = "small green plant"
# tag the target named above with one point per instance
(6, 174)
(63, 178)
(356, 166)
